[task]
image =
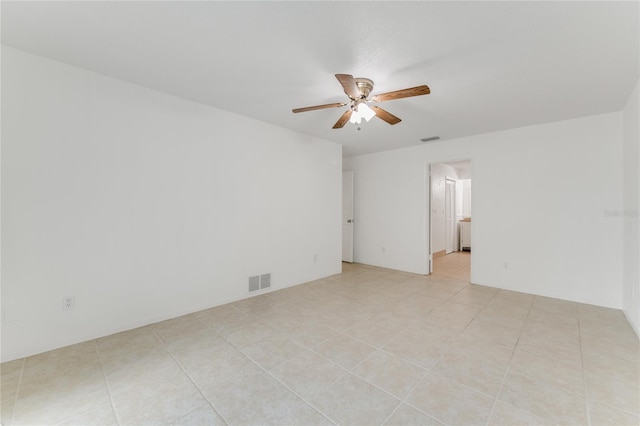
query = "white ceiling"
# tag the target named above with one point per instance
(490, 65)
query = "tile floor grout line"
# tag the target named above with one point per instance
(166, 349)
(106, 383)
(427, 371)
(403, 400)
(291, 390)
(584, 376)
(508, 368)
(15, 398)
(421, 410)
(347, 372)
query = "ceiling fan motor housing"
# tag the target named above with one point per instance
(365, 86)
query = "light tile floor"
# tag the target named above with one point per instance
(365, 347)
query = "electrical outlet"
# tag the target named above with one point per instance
(68, 303)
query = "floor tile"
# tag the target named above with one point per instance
(503, 333)
(216, 366)
(252, 397)
(566, 353)
(69, 359)
(405, 415)
(10, 378)
(248, 334)
(218, 316)
(621, 394)
(306, 416)
(543, 400)
(606, 365)
(273, 351)
(548, 370)
(130, 347)
(628, 349)
(555, 306)
(54, 399)
(507, 415)
(449, 402)
(376, 331)
(438, 290)
(60, 385)
(308, 374)
(478, 375)
(103, 416)
(155, 392)
(450, 314)
(310, 332)
(173, 329)
(424, 353)
(390, 373)
(496, 354)
(415, 306)
(601, 415)
(344, 318)
(352, 401)
(503, 307)
(344, 350)
(203, 415)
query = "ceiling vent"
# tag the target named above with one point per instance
(431, 139)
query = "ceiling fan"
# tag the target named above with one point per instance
(358, 90)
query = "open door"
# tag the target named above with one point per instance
(450, 215)
(429, 224)
(347, 217)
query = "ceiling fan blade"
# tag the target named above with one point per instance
(399, 94)
(343, 119)
(349, 85)
(313, 108)
(385, 115)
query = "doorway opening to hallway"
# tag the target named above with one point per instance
(450, 219)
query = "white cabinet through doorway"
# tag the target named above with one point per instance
(465, 235)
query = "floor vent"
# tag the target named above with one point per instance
(254, 283)
(265, 281)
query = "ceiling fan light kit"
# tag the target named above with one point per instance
(358, 91)
(360, 111)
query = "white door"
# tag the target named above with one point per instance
(430, 220)
(450, 215)
(347, 216)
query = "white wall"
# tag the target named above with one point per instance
(145, 206)
(539, 200)
(631, 204)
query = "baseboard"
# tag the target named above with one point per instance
(440, 253)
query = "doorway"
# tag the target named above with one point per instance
(450, 219)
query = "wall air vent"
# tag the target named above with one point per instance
(254, 283)
(265, 280)
(430, 139)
